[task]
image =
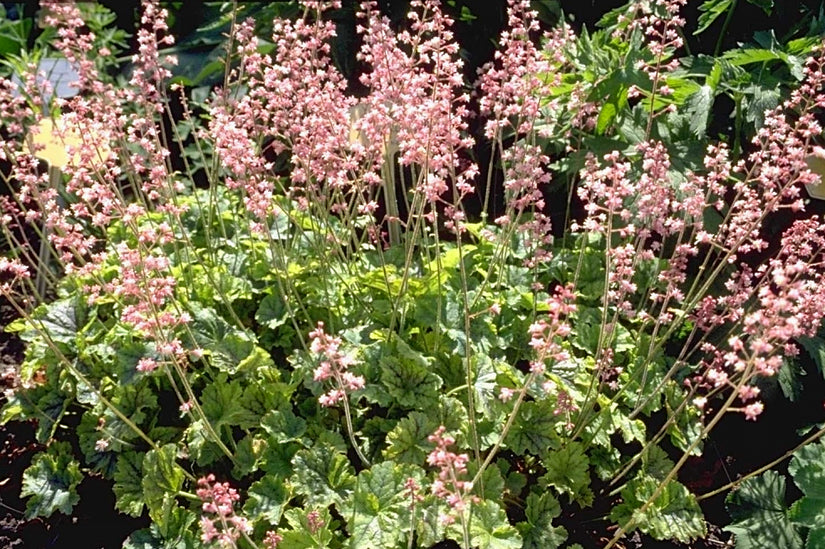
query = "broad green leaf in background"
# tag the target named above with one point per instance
(51, 481)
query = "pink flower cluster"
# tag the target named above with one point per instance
(12, 272)
(334, 365)
(224, 526)
(452, 466)
(546, 332)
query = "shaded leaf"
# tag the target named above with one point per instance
(758, 510)
(128, 486)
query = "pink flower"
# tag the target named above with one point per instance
(219, 500)
(335, 366)
(146, 365)
(452, 466)
(753, 410)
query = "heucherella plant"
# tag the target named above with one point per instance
(277, 319)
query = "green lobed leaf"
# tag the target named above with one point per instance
(407, 441)
(323, 475)
(534, 429)
(176, 533)
(51, 481)
(128, 486)
(808, 470)
(162, 479)
(490, 529)
(267, 499)
(699, 106)
(226, 345)
(567, 471)
(759, 513)
(408, 377)
(272, 312)
(222, 403)
(538, 530)
(673, 514)
(301, 535)
(283, 425)
(380, 507)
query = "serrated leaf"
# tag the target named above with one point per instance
(128, 484)
(534, 429)
(162, 479)
(266, 500)
(673, 514)
(283, 425)
(407, 441)
(655, 463)
(815, 347)
(323, 475)
(788, 377)
(766, 5)
(301, 535)
(699, 106)
(222, 403)
(408, 377)
(538, 530)
(490, 529)
(758, 510)
(808, 470)
(607, 115)
(380, 507)
(567, 471)
(51, 481)
(710, 11)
